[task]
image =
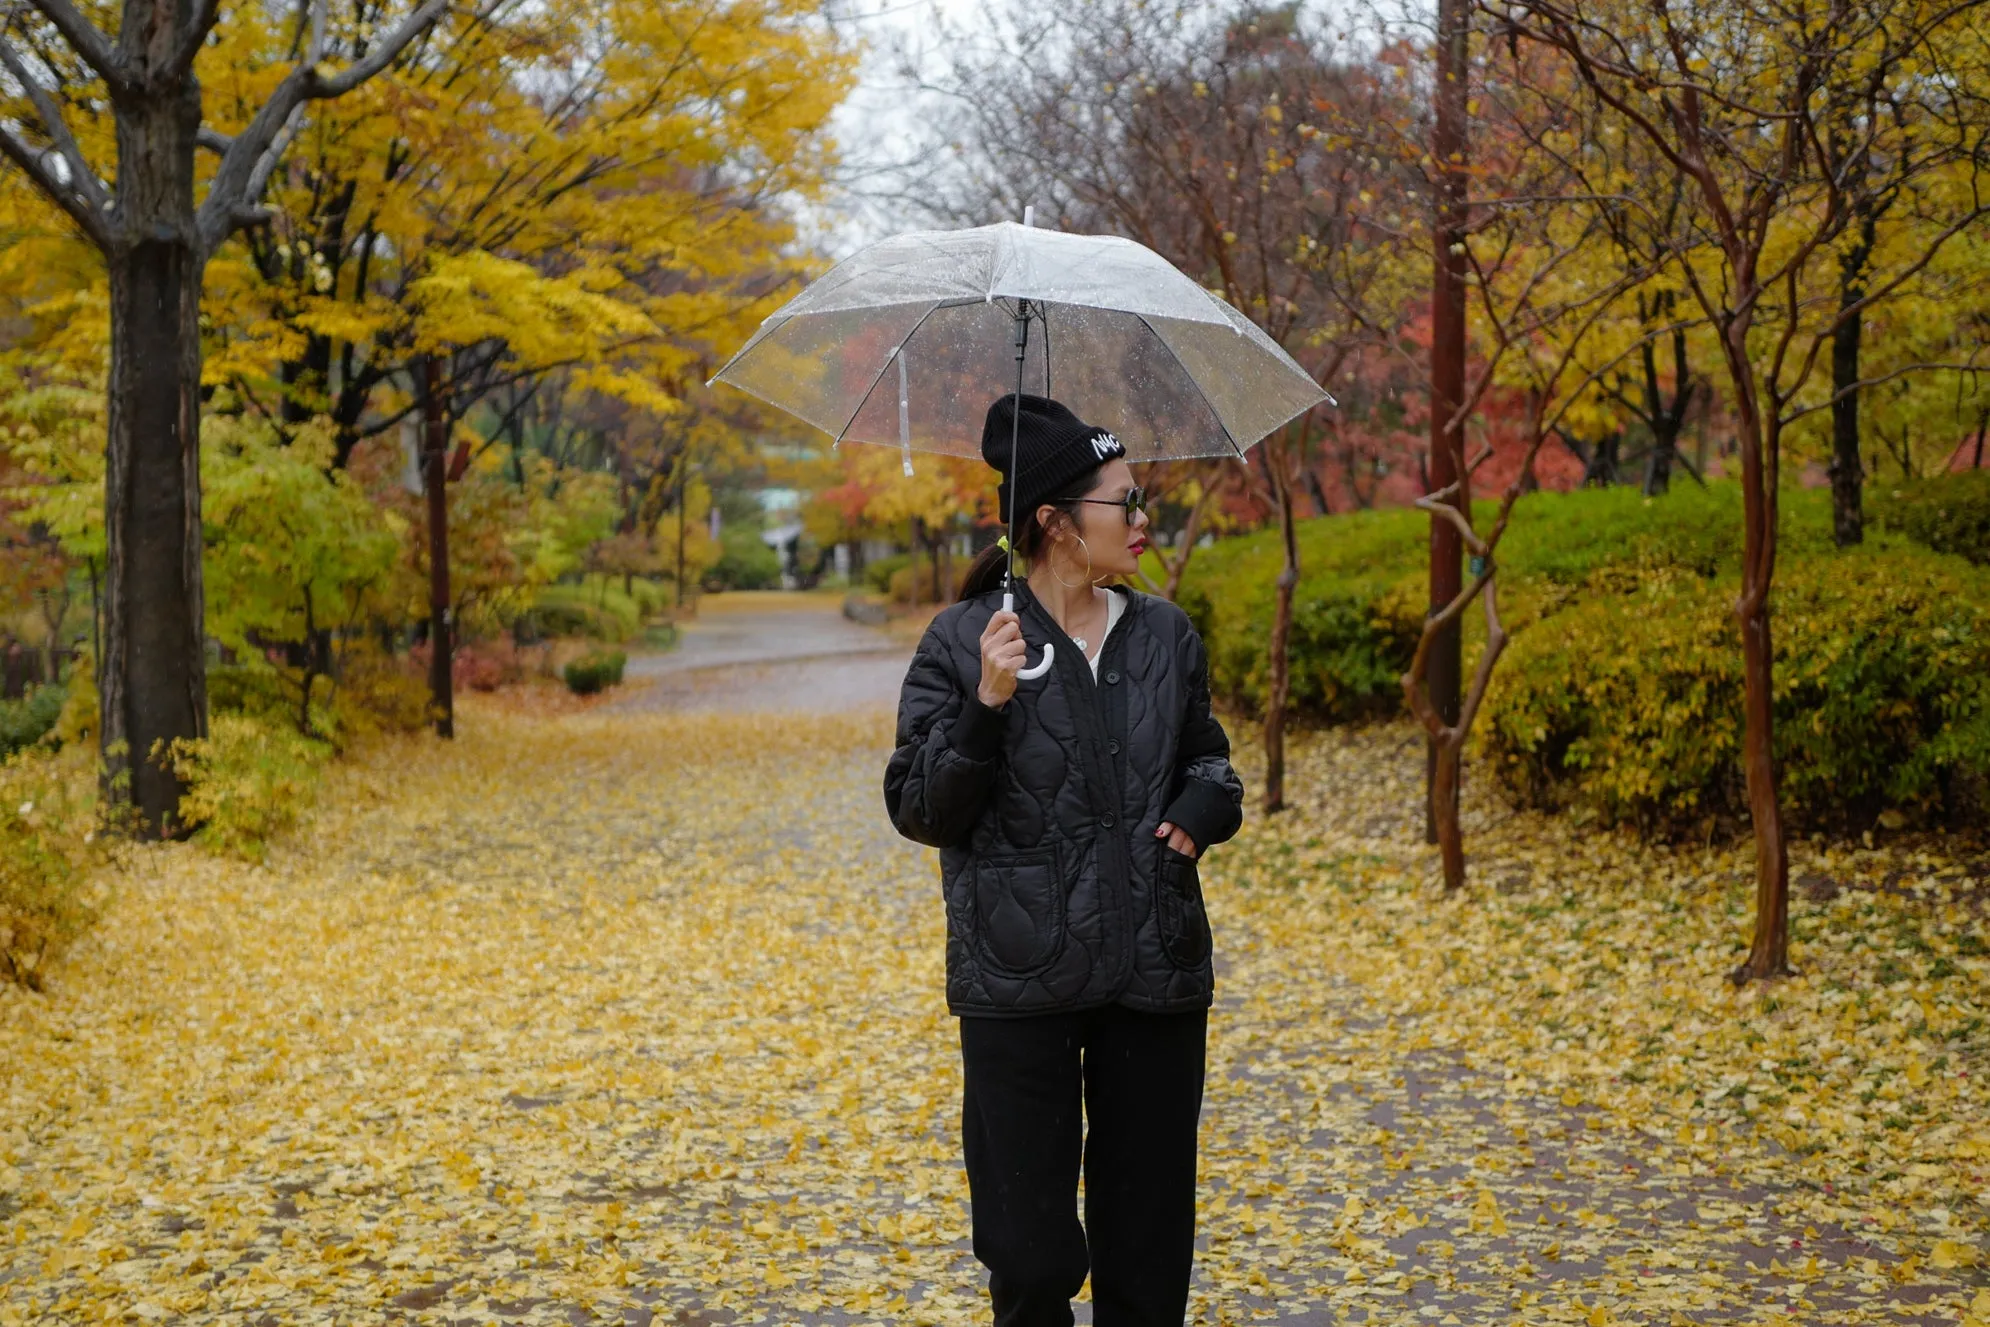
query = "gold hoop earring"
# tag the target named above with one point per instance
(1088, 566)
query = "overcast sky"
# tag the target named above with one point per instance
(880, 124)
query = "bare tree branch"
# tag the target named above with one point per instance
(82, 179)
(230, 202)
(87, 41)
(34, 165)
(195, 36)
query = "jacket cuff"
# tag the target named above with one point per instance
(977, 734)
(1204, 811)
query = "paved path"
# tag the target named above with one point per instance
(1312, 1116)
(633, 1016)
(781, 658)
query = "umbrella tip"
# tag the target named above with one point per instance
(1029, 214)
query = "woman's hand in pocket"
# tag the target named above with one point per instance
(1177, 838)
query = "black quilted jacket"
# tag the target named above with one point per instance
(1058, 895)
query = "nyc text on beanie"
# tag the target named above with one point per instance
(1053, 448)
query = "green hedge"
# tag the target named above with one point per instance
(1358, 608)
(745, 562)
(1630, 705)
(28, 720)
(1622, 690)
(595, 671)
(1355, 615)
(595, 612)
(1948, 513)
(879, 571)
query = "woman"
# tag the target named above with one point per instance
(1069, 812)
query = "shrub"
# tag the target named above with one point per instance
(272, 693)
(879, 571)
(1350, 643)
(1567, 538)
(247, 781)
(594, 671)
(1948, 513)
(474, 665)
(254, 688)
(1631, 705)
(746, 563)
(913, 582)
(595, 612)
(1355, 614)
(378, 693)
(32, 718)
(49, 845)
(1358, 609)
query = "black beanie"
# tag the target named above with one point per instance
(1053, 448)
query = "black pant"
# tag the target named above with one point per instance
(1141, 1080)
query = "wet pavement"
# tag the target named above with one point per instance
(791, 656)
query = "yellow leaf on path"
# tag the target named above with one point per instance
(1486, 1215)
(1949, 1254)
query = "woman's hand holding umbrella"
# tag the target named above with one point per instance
(1003, 654)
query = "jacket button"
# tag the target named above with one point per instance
(1112, 675)
(1112, 745)
(1106, 820)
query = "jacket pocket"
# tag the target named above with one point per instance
(1178, 905)
(1019, 911)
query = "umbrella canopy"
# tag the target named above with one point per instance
(908, 341)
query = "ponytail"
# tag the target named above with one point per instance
(985, 572)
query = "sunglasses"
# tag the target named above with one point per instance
(1134, 501)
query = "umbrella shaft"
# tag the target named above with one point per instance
(1015, 433)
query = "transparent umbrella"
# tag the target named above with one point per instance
(907, 342)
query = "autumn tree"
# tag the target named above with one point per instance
(107, 125)
(1241, 145)
(607, 226)
(1549, 329)
(1745, 101)
(863, 491)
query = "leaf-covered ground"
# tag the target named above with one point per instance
(621, 1016)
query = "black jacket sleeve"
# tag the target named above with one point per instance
(949, 747)
(1210, 805)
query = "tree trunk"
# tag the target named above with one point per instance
(1281, 634)
(435, 479)
(1768, 955)
(1668, 420)
(304, 382)
(1447, 373)
(152, 669)
(1185, 549)
(1446, 768)
(1848, 519)
(683, 500)
(1600, 468)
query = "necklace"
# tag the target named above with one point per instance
(1084, 646)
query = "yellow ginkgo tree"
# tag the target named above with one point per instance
(102, 108)
(601, 188)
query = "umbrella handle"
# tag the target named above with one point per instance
(1041, 666)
